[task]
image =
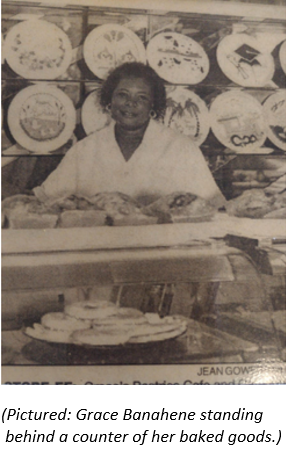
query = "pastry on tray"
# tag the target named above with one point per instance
(82, 218)
(279, 214)
(101, 323)
(121, 209)
(106, 208)
(254, 204)
(26, 212)
(71, 202)
(180, 207)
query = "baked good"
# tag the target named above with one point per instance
(32, 221)
(180, 207)
(147, 329)
(57, 327)
(27, 212)
(108, 208)
(44, 334)
(120, 333)
(102, 336)
(58, 321)
(124, 317)
(279, 214)
(91, 309)
(64, 203)
(121, 209)
(278, 188)
(72, 202)
(177, 58)
(110, 45)
(187, 113)
(111, 325)
(246, 59)
(25, 203)
(251, 204)
(115, 203)
(82, 218)
(237, 121)
(134, 219)
(41, 118)
(158, 329)
(84, 203)
(274, 110)
(38, 49)
(158, 334)
(280, 199)
(78, 211)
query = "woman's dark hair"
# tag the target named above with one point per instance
(136, 70)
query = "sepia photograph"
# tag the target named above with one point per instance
(143, 192)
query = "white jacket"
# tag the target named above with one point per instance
(164, 162)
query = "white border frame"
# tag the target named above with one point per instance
(222, 8)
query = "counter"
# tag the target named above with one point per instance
(40, 265)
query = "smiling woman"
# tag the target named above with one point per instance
(133, 93)
(134, 154)
(130, 108)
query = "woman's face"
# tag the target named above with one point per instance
(132, 101)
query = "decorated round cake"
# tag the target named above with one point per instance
(111, 45)
(98, 323)
(177, 58)
(41, 118)
(187, 113)
(37, 49)
(244, 60)
(237, 121)
(274, 109)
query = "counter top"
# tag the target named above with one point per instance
(72, 269)
(127, 237)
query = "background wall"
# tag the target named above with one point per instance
(29, 170)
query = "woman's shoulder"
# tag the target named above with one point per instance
(99, 134)
(92, 141)
(171, 136)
